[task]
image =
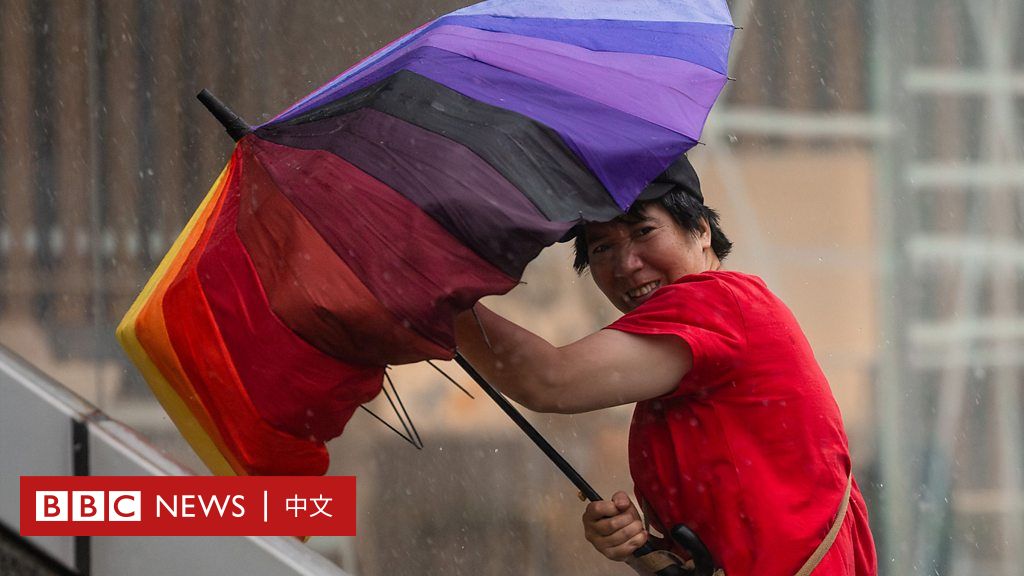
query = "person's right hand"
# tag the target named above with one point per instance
(614, 527)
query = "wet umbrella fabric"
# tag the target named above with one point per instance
(345, 234)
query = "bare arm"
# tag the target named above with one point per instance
(607, 368)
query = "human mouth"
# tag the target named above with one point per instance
(634, 296)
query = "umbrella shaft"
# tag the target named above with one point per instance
(530, 431)
(563, 465)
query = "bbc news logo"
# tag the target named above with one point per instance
(88, 506)
(188, 506)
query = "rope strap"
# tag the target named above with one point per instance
(826, 544)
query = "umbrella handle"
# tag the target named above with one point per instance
(703, 563)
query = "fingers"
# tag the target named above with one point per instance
(623, 503)
(606, 525)
(625, 550)
(614, 527)
(605, 517)
(619, 545)
(620, 503)
(598, 510)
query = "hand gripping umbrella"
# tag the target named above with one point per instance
(346, 233)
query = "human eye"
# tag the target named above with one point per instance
(644, 230)
(598, 249)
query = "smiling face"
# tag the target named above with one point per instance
(632, 257)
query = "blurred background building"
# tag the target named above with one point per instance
(866, 161)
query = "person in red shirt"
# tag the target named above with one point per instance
(735, 434)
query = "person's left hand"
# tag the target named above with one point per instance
(614, 527)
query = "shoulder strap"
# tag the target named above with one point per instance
(826, 544)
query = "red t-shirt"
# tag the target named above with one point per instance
(749, 451)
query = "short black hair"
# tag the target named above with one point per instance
(686, 209)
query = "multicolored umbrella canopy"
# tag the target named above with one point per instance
(346, 233)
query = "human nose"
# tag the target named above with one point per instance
(627, 261)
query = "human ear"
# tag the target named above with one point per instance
(704, 236)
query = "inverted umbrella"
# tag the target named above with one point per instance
(346, 233)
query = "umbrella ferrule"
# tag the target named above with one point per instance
(235, 126)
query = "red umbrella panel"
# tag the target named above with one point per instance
(276, 338)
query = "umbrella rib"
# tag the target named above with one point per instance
(482, 331)
(450, 379)
(408, 435)
(403, 416)
(384, 422)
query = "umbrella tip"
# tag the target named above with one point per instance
(235, 126)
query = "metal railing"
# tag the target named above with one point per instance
(47, 430)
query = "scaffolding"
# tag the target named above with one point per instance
(952, 192)
(944, 123)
